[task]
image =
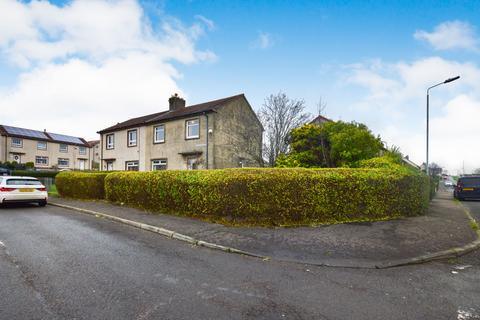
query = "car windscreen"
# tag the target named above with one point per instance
(470, 182)
(23, 182)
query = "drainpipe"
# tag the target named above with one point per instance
(6, 146)
(206, 140)
(101, 153)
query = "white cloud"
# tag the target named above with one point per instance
(90, 64)
(264, 41)
(450, 35)
(209, 23)
(395, 105)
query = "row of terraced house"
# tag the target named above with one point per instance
(224, 133)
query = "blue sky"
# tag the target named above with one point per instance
(371, 61)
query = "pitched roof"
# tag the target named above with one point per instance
(320, 119)
(93, 143)
(41, 135)
(174, 114)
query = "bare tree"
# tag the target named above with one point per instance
(279, 115)
(321, 106)
(476, 171)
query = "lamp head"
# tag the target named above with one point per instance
(452, 79)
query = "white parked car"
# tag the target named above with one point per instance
(449, 183)
(22, 189)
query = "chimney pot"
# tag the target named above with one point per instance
(176, 102)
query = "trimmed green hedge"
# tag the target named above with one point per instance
(81, 185)
(36, 174)
(274, 196)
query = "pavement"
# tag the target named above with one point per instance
(57, 264)
(359, 245)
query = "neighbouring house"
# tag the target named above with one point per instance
(406, 160)
(94, 153)
(224, 133)
(320, 119)
(44, 149)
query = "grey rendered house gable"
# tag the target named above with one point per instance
(238, 135)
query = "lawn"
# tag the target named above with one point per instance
(53, 190)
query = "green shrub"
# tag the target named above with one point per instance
(37, 174)
(81, 185)
(274, 196)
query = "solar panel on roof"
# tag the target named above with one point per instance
(25, 132)
(64, 138)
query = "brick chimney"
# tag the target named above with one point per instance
(176, 102)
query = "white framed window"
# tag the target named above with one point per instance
(110, 141)
(192, 129)
(132, 138)
(63, 162)
(159, 134)
(159, 164)
(131, 165)
(41, 145)
(82, 150)
(63, 147)
(17, 143)
(41, 161)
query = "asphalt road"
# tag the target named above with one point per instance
(57, 264)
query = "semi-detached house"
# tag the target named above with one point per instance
(224, 133)
(44, 149)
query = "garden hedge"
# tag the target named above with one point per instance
(36, 174)
(273, 196)
(81, 185)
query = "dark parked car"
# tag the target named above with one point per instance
(4, 172)
(467, 188)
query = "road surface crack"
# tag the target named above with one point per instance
(26, 277)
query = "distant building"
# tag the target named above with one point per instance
(224, 133)
(45, 149)
(94, 154)
(320, 119)
(412, 164)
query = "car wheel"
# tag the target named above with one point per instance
(42, 203)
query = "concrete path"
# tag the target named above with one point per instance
(384, 243)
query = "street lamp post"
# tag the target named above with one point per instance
(428, 112)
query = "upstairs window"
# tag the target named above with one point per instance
(159, 134)
(192, 128)
(41, 145)
(63, 147)
(132, 138)
(17, 142)
(110, 141)
(82, 150)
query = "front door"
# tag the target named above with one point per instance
(81, 164)
(16, 157)
(110, 166)
(192, 163)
